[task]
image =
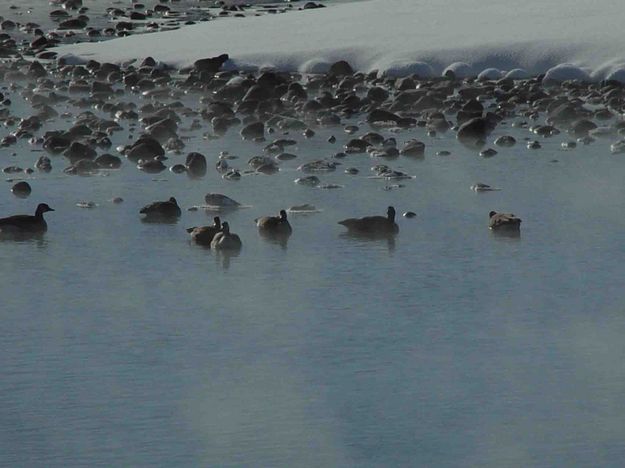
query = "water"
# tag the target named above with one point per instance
(124, 344)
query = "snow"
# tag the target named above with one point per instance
(400, 37)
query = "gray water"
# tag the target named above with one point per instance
(123, 344)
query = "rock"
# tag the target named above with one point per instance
(21, 189)
(381, 115)
(196, 164)
(505, 141)
(108, 161)
(474, 132)
(210, 65)
(151, 166)
(44, 164)
(253, 131)
(341, 68)
(413, 148)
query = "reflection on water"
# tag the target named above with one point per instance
(224, 257)
(155, 219)
(277, 239)
(36, 238)
(506, 233)
(371, 238)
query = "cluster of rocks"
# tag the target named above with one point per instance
(282, 108)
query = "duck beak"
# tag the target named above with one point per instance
(51, 209)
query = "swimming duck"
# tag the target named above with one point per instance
(504, 221)
(26, 223)
(225, 240)
(274, 225)
(162, 209)
(373, 224)
(204, 235)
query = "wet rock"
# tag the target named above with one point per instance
(319, 165)
(309, 181)
(356, 145)
(108, 161)
(78, 151)
(255, 130)
(221, 201)
(178, 168)
(73, 23)
(382, 116)
(83, 167)
(341, 68)
(144, 148)
(505, 141)
(21, 189)
(582, 127)
(57, 143)
(285, 156)
(413, 148)
(151, 166)
(474, 132)
(196, 164)
(44, 164)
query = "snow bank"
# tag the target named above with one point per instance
(400, 37)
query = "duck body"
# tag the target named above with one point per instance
(504, 221)
(225, 240)
(373, 224)
(26, 223)
(274, 225)
(204, 235)
(162, 209)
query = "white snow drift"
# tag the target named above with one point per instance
(401, 37)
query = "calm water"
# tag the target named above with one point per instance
(122, 344)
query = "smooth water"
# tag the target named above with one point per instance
(123, 344)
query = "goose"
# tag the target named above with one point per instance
(204, 235)
(373, 224)
(504, 221)
(274, 225)
(225, 240)
(26, 223)
(162, 209)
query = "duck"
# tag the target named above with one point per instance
(26, 223)
(274, 225)
(504, 221)
(373, 224)
(204, 235)
(225, 240)
(162, 209)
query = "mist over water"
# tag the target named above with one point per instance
(122, 343)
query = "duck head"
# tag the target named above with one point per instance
(173, 200)
(42, 208)
(225, 228)
(217, 222)
(491, 214)
(282, 215)
(391, 213)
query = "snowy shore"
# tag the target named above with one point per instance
(397, 37)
